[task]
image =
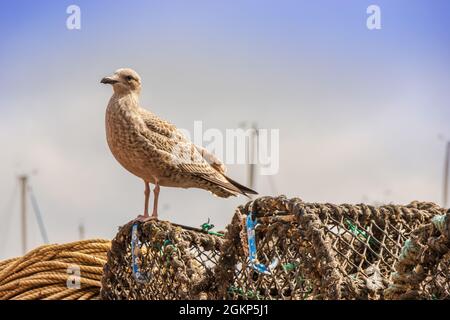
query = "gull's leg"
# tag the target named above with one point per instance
(147, 197)
(145, 217)
(155, 200)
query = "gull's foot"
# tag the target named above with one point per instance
(143, 218)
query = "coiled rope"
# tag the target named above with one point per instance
(70, 271)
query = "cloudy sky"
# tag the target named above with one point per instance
(359, 111)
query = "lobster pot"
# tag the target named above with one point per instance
(315, 251)
(158, 260)
(437, 286)
(423, 268)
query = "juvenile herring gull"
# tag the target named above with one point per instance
(155, 150)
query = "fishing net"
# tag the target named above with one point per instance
(317, 251)
(279, 248)
(163, 261)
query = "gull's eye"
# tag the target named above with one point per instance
(129, 78)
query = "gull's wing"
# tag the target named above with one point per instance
(186, 157)
(166, 129)
(158, 125)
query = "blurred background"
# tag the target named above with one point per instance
(363, 114)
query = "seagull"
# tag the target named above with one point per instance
(155, 150)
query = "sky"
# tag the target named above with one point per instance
(359, 111)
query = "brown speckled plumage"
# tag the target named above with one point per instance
(154, 149)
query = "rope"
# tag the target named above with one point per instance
(70, 271)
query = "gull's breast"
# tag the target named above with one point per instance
(128, 146)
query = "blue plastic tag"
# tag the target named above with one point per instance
(135, 248)
(259, 267)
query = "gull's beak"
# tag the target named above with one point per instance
(109, 80)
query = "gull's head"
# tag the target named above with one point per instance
(124, 81)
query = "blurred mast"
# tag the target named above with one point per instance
(446, 174)
(23, 180)
(81, 231)
(251, 165)
(273, 188)
(38, 214)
